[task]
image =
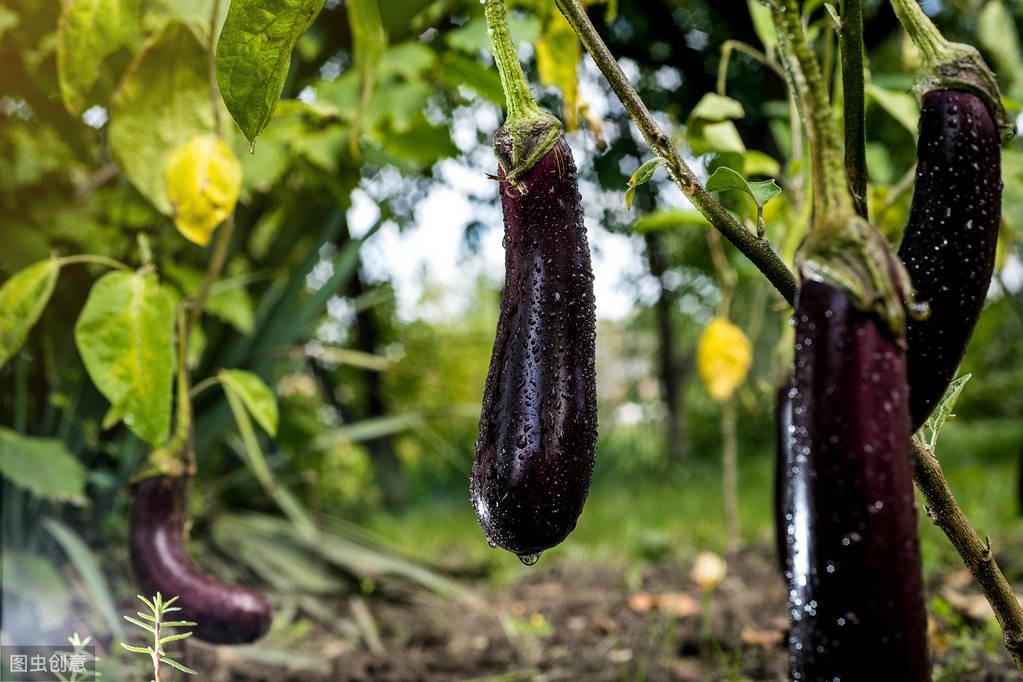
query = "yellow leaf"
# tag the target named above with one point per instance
(203, 180)
(723, 358)
(557, 56)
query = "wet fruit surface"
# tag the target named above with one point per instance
(855, 586)
(537, 436)
(782, 463)
(949, 244)
(225, 613)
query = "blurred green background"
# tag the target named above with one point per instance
(366, 269)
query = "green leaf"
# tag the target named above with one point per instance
(714, 107)
(720, 136)
(8, 20)
(174, 638)
(459, 70)
(670, 219)
(641, 176)
(161, 103)
(254, 54)
(257, 397)
(43, 466)
(136, 649)
(138, 623)
(943, 413)
(125, 336)
(901, 106)
(22, 300)
(763, 25)
(88, 567)
(369, 40)
(87, 33)
(472, 37)
(178, 666)
(996, 29)
(725, 179)
(252, 452)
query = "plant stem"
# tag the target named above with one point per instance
(943, 509)
(827, 176)
(853, 67)
(212, 271)
(730, 476)
(517, 94)
(94, 260)
(156, 647)
(203, 385)
(758, 251)
(947, 65)
(922, 31)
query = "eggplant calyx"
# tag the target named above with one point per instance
(522, 141)
(528, 132)
(948, 65)
(847, 252)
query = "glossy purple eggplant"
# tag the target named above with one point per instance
(782, 463)
(225, 613)
(537, 436)
(856, 591)
(949, 244)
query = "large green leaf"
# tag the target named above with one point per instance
(43, 466)
(254, 53)
(162, 102)
(125, 336)
(88, 32)
(22, 299)
(257, 397)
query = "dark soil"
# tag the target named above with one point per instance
(581, 621)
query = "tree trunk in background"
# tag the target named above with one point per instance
(670, 370)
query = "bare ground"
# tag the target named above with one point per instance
(584, 621)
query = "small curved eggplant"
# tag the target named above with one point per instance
(225, 613)
(537, 436)
(855, 584)
(949, 244)
(782, 463)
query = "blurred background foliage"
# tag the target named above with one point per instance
(379, 376)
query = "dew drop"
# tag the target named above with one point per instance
(529, 559)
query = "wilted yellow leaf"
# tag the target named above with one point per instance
(723, 358)
(557, 57)
(203, 180)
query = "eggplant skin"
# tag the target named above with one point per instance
(855, 586)
(948, 247)
(537, 437)
(225, 613)
(782, 463)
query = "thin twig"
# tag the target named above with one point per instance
(758, 251)
(102, 176)
(944, 510)
(851, 37)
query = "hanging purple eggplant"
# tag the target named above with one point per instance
(225, 613)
